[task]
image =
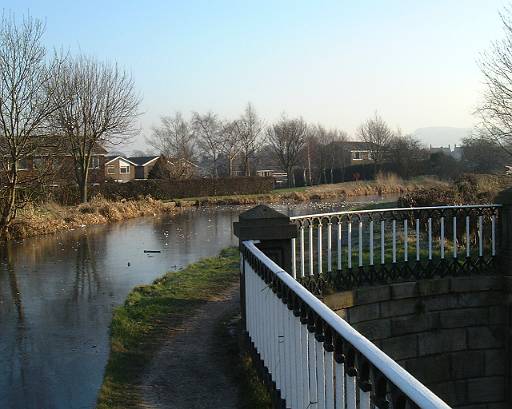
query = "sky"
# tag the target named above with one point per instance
(334, 62)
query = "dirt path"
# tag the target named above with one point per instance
(190, 369)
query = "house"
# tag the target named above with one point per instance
(455, 153)
(280, 178)
(119, 169)
(58, 166)
(122, 169)
(143, 165)
(357, 152)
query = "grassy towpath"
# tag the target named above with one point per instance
(175, 344)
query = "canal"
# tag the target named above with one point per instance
(57, 293)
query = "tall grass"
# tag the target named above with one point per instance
(50, 217)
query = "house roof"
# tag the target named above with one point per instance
(143, 160)
(113, 158)
(172, 161)
(357, 145)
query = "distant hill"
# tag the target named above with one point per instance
(442, 135)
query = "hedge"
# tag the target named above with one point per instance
(168, 190)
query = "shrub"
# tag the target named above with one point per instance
(164, 189)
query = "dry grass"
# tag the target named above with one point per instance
(51, 217)
(384, 184)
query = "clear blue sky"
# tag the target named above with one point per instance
(333, 62)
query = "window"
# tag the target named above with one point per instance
(95, 162)
(111, 169)
(23, 164)
(38, 163)
(124, 169)
(357, 155)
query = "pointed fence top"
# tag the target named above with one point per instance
(262, 212)
(264, 223)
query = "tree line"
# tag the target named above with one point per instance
(54, 104)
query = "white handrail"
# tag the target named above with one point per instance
(409, 385)
(395, 209)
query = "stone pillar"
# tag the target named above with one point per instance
(505, 252)
(505, 267)
(274, 231)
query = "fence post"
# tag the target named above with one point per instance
(505, 267)
(274, 231)
(505, 254)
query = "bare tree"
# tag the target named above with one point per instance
(482, 155)
(334, 152)
(97, 106)
(174, 138)
(407, 154)
(250, 128)
(286, 139)
(377, 134)
(231, 145)
(495, 111)
(25, 104)
(208, 131)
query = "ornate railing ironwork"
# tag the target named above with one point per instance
(354, 248)
(311, 356)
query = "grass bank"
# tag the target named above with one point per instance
(35, 220)
(139, 326)
(384, 184)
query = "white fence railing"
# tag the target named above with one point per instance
(408, 242)
(316, 359)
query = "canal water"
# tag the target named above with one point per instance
(57, 293)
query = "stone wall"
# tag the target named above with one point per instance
(451, 333)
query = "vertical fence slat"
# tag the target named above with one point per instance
(329, 246)
(430, 238)
(313, 391)
(319, 249)
(349, 244)
(417, 239)
(393, 233)
(364, 399)
(406, 243)
(441, 240)
(468, 242)
(320, 374)
(351, 392)
(493, 235)
(339, 369)
(339, 237)
(360, 243)
(382, 249)
(329, 380)
(305, 365)
(454, 236)
(294, 259)
(371, 242)
(302, 266)
(311, 261)
(480, 236)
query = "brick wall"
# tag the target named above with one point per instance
(451, 333)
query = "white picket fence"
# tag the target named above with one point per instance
(315, 359)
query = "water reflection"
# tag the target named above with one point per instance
(57, 293)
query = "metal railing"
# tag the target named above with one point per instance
(313, 357)
(370, 246)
